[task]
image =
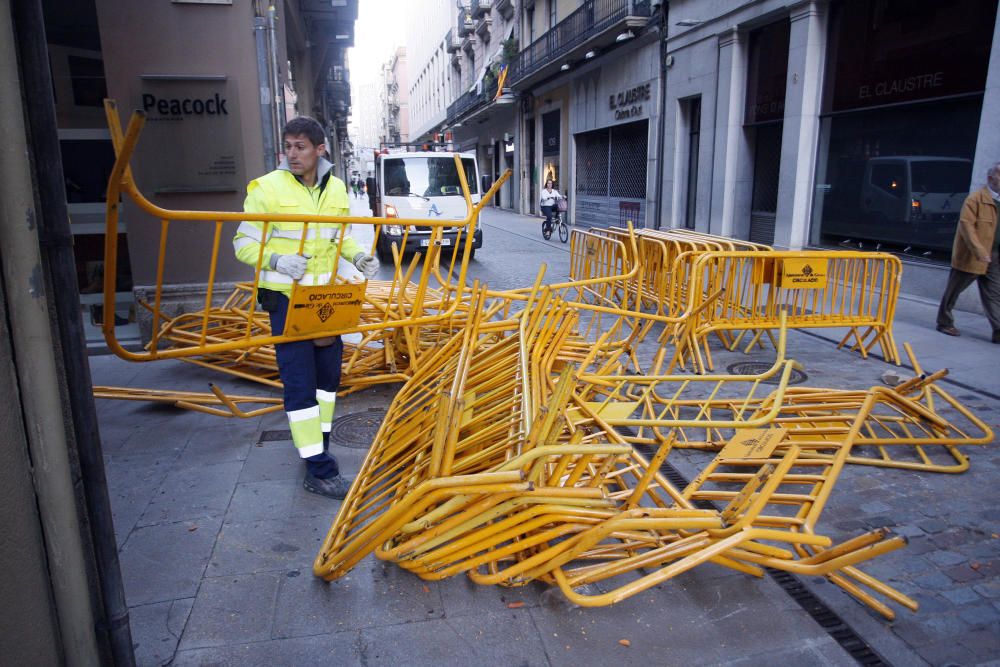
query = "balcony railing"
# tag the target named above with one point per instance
(481, 7)
(465, 24)
(589, 20)
(483, 28)
(452, 41)
(468, 102)
(505, 7)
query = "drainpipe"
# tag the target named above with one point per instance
(664, 26)
(37, 368)
(56, 241)
(266, 98)
(279, 95)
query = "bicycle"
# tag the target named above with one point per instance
(558, 222)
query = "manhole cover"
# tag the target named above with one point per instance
(758, 367)
(357, 430)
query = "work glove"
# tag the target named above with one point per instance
(366, 264)
(293, 266)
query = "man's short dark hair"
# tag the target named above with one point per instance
(307, 127)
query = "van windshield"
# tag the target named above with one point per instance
(427, 177)
(944, 176)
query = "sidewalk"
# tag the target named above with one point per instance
(217, 537)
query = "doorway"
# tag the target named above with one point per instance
(766, 168)
(532, 170)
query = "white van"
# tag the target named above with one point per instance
(422, 185)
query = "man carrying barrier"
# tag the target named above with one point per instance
(309, 369)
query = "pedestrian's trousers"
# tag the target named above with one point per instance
(989, 292)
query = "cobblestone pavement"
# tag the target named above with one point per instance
(217, 538)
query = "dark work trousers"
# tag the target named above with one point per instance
(304, 368)
(989, 292)
(547, 210)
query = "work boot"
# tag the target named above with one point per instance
(333, 487)
(948, 331)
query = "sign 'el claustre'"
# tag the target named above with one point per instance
(628, 103)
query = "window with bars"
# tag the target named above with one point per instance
(611, 162)
(592, 163)
(628, 160)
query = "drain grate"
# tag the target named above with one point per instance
(758, 367)
(275, 436)
(827, 618)
(357, 430)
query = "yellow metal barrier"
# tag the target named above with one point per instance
(495, 461)
(387, 314)
(853, 290)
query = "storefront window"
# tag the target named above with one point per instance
(903, 99)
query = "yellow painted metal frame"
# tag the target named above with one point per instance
(121, 183)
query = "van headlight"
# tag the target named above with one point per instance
(393, 230)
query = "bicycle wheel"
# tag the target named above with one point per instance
(563, 231)
(546, 231)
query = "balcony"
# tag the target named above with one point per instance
(452, 42)
(505, 7)
(465, 24)
(595, 24)
(481, 8)
(483, 28)
(469, 43)
(464, 5)
(467, 103)
(456, 59)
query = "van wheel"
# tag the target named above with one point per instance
(383, 256)
(472, 254)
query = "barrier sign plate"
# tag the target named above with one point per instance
(804, 273)
(755, 443)
(326, 308)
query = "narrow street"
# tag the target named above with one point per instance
(217, 537)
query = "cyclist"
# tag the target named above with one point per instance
(549, 199)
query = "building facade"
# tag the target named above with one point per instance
(394, 96)
(829, 124)
(217, 81)
(805, 124)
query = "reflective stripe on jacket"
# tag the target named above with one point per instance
(280, 192)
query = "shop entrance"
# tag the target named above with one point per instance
(766, 167)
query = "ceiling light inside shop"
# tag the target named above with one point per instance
(590, 54)
(565, 66)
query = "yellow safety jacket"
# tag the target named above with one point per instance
(280, 192)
